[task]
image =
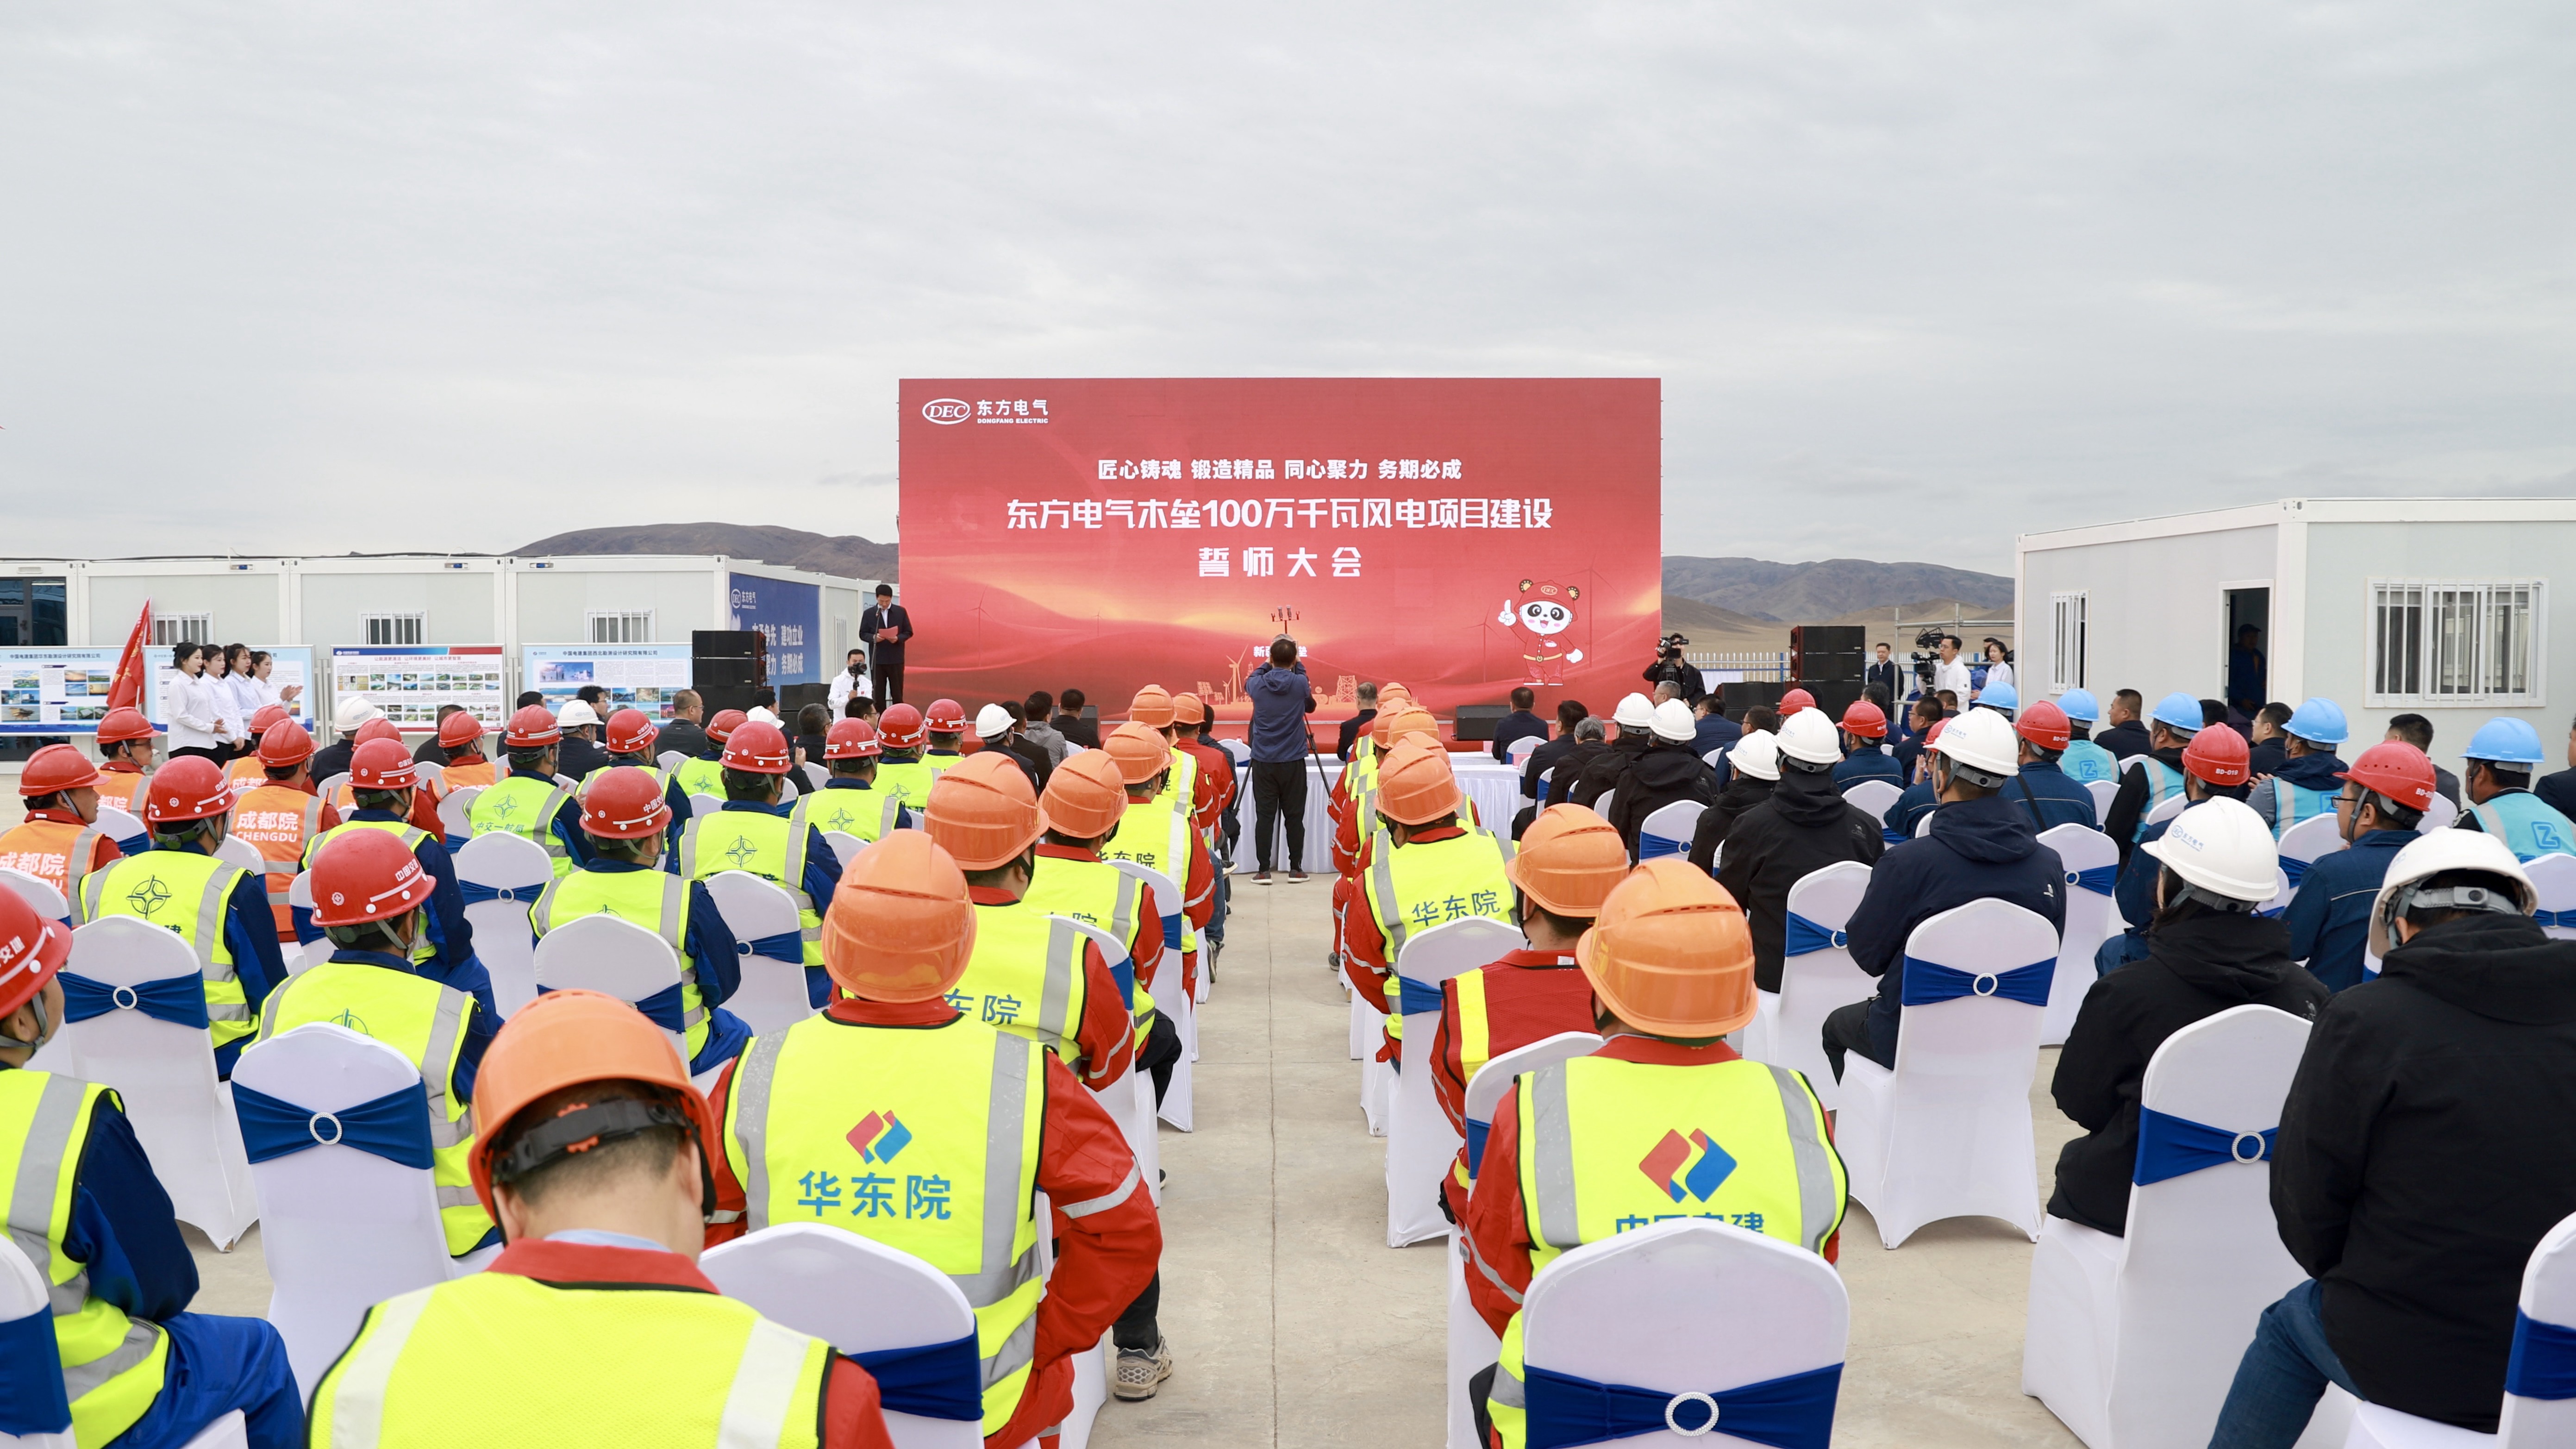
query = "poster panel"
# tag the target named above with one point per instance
(55, 690)
(410, 682)
(636, 676)
(789, 615)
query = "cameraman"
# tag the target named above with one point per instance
(1670, 666)
(1281, 700)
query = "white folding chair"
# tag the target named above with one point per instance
(2132, 1341)
(2167, 809)
(343, 1228)
(1471, 1344)
(621, 958)
(232, 850)
(301, 956)
(501, 875)
(670, 759)
(844, 845)
(455, 814)
(2279, 900)
(2554, 877)
(1601, 805)
(2305, 842)
(702, 806)
(1159, 893)
(23, 1297)
(1638, 1310)
(165, 1071)
(1817, 977)
(331, 787)
(815, 775)
(40, 896)
(1874, 796)
(1947, 1133)
(1130, 1099)
(1544, 776)
(2103, 792)
(1420, 1144)
(767, 930)
(1667, 830)
(2092, 869)
(431, 772)
(867, 1300)
(121, 827)
(1712, 757)
(2548, 1305)
(2439, 815)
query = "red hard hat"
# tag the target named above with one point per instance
(945, 716)
(1934, 733)
(378, 729)
(2395, 769)
(57, 767)
(851, 739)
(268, 717)
(382, 765)
(532, 728)
(124, 724)
(32, 948)
(900, 727)
(624, 803)
(190, 787)
(1794, 701)
(366, 875)
(721, 728)
(2044, 725)
(631, 732)
(758, 748)
(1865, 719)
(285, 744)
(459, 730)
(2218, 757)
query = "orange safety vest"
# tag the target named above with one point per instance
(473, 772)
(279, 821)
(53, 852)
(245, 775)
(122, 789)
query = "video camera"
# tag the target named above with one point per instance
(1926, 653)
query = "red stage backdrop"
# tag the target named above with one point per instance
(1462, 535)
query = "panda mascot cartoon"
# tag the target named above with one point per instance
(1540, 615)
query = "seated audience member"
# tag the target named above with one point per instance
(2306, 784)
(1665, 773)
(1909, 750)
(2384, 797)
(2501, 757)
(2556, 790)
(1756, 773)
(2149, 779)
(1069, 722)
(2213, 767)
(1635, 719)
(2421, 1155)
(1568, 755)
(1864, 731)
(1758, 719)
(2125, 735)
(2270, 749)
(2416, 730)
(1519, 725)
(2206, 952)
(2042, 789)
(1802, 826)
(1715, 730)
(1036, 712)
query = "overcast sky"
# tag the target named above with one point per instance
(318, 278)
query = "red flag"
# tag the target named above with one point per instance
(127, 691)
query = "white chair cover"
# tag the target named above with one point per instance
(1163, 895)
(1947, 1133)
(300, 955)
(343, 1229)
(670, 759)
(232, 1431)
(859, 1295)
(787, 791)
(2439, 815)
(2103, 792)
(2548, 1297)
(603, 953)
(456, 811)
(1923, 826)
(1601, 805)
(40, 896)
(2554, 877)
(1788, 1029)
(233, 850)
(1874, 796)
(2376, 1426)
(2318, 835)
(2133, 1341)
(816, 776)
(23, 1296)
(118, 824)
(166, 1074)
(1420, 1144)
(844, 845)
(2167, 809)
(431, 772)
(331, 787)
(503, 939)
(702, 806)
(1712, 757)
(772, 995)
(1130, 1099)
(2090, 920)
(1667, 830)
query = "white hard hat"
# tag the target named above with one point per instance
(760, 712)
(1673, 722)
(353, 714)
(1810, 737)
(2219, 845)
(2431, 854)
(992, 722)
(1983, 740)
(576, 713)
(1636, 712)
(1757, 754)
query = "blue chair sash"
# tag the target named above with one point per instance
(2293, 869)
(1416, 996)
(664, 1007)
(394, 1126)
(2170, 1147)
(1655, 847)
(1795, 1412)
(1476, 1145)
(935, 1380)
(476, 894)
(2564, 920)
(1806, 936)
(179, 1000)
(788, 946)
(2101, 880)
(135, 844)
(1929, 982)
(1893, 837)
(32, 1397)
(2543, 1365)
(1171, 933)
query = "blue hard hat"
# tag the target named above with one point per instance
(2505, 741)
(2000, 696)
(2320, 721)
(2179, 712)
(2080, 706)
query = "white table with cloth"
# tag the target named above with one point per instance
(1494, 786)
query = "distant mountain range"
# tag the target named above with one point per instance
(847, 555)
(1829, 589)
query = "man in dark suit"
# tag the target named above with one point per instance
(683, 731)
(1357, 724)
(1888, 675)
(1069, 722)
(1519, 725)
(885, 628)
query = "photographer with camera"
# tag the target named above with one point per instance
(1670, 666)
(1281, 699)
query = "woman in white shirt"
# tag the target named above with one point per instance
(196, 717)
(227, 699)
(262, 665)
(1999, 669)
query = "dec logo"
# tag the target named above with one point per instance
(947, 411)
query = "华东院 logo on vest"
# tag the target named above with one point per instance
(879, 1136)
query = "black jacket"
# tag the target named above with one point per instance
(1083, 732)
(683, 735)
(1605, 771)
(895, 617)
(1519, 725)
(1349, 737)
(1890, 677)
(2195, 968)
(1545, 757)
(2557, 791)
(1741, 794)
(2423, 1153)
(577, 756)
(1804, 826)
(1664, 774)
(2126, 738)
(1034, 759)
(2132, 802)
(332, 759)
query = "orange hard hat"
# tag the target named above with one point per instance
(1569, 861)
(1415, 785)
(1152, 707)
(721, 728)
(382, 765)
(285, 744)
(268, 717)
(900, 927)
(1085, 797)
(366, 875)
(631, 732)
(983, 812)
(1670, 952)
(1392, 690)
(57, 767)
(624, 803)
(124, 724)
(900, 727)
(32, 949)
(1188, 709)
(945, 716)
(459, 730)
(851, 739)
(533, 728)
(378, 729)
(757, 747)
(1865, 719)
(568, 1039)
(1412, 720)
(190, 787)
(1383, 727)
(1140, 750)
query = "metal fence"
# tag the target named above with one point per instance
(1759, 665)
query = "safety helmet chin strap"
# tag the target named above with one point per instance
(44, 1029)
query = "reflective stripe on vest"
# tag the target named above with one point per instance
(112, 1365)
(1433, 882)
(492, 1359)
(1156, 836)
(1024, 956)
(761, 844)
(184, 894)
(909, 780)
(281, 822)
(866, 813)
(524, 806)
(879, 1134)
(2526, 824)
(1093, 892)
(656, 900)
(55, 853)
(2163, 783)
(2302, 804)
(122, 789)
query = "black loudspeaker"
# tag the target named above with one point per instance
(1833, 696)
(1477, 721)
(794, 697)
(1740, 695)
(706, 674)
(726, 661)
(1827, 651)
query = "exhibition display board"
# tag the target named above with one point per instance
(410, 682)
(636, 676)
(63, 690)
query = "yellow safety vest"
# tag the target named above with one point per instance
(866, 812)
(654, 899)
(1426, 884)
(497, 1358)
(184, 893)
(524, 806)
(425, 1022)
(1156, 835)
(701, 777)
(1607, 1146)
(769, 846)
(1026, 977)
(1472, 1028)
(1097, 893)
(112, 1365)
(53, 852)
(924, 1140)
(909, 779)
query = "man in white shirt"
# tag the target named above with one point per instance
(852, 680)
(197, 713)
(1951, 672)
